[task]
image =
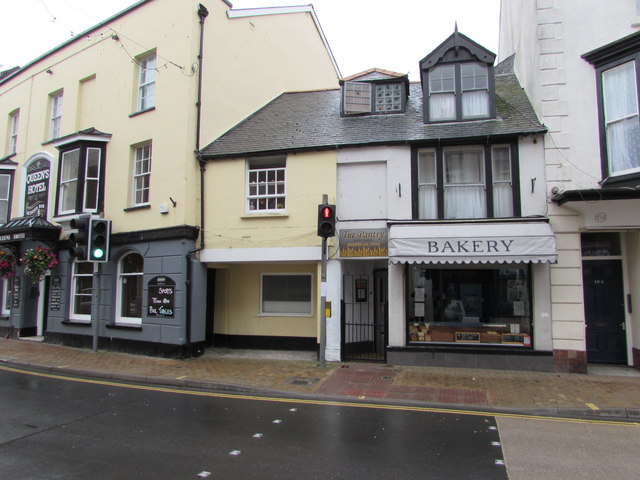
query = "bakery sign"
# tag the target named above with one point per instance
(37, 188)
(368, 242)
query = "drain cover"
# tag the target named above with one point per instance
(302, 381)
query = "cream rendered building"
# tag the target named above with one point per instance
(578, 62)
(108, 124)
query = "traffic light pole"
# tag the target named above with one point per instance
(95, 308)
(323, 302)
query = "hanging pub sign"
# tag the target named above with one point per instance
(366, 242)
(37, 188)
(161, 300)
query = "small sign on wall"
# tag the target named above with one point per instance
(161, 297)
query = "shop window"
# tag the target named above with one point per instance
(266, 185)
(285, 294)
(466, 306)
(466, 182)
(129, 295)
(81, 291)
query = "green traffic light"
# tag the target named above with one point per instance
(98, 253)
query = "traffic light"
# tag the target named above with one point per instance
(99, 234)
(326, 220)
(79, 239)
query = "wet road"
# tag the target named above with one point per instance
(59, 429)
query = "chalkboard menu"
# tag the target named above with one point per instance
(161, 301)
(55, 294)
(16, 293)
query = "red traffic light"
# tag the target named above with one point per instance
(327, 212)
(326, 220)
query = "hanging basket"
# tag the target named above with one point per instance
(7, 264)
(38, 261)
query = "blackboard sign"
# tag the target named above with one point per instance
(55, 294)
(468, 337)
(16, 292)
(161, 300)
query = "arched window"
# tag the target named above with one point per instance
(129, 303)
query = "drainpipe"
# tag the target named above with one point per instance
(190, 351)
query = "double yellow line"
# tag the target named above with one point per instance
(334, 403)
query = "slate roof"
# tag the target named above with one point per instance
(311, 121)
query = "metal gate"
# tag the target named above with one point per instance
(364, 317)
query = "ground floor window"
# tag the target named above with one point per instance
(469, 305)
(82, 289)
(130, 276)
(285, 294)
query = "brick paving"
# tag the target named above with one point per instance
(495, 389)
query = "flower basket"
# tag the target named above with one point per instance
(7, 264)
(38, 261)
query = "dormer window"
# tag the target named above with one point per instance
(458, 81)
(374, 92)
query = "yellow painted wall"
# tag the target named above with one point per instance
(238, 303)
(247, 62)
(229, 225)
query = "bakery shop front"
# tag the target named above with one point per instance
(471, 294)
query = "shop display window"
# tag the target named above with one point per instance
(469, 305)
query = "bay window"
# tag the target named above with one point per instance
(80, 178)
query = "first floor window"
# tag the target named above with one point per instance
(465, 182)
(142, 175)
(130, 275)
(5, 195)
(622, 125)
(286, 294)
(82, 291)
(469, 305)
(266, 184)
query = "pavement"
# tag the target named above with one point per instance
(611, 392)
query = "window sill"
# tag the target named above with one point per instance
(300, 315)
(77, 323)
(124, 326)
(140, 112)
(615, 180)
(265, 215)
(137, 207)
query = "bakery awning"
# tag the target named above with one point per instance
(504, 242)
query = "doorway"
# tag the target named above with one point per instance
(604, 311)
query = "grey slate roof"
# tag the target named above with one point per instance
(312, 121)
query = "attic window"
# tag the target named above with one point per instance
(375, 98)
(357, 97)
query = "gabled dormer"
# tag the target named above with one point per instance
(374, 92)
(458, 81)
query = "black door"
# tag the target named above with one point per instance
(604, 311)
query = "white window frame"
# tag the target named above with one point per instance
(503, 182)
(632, 116)
(5, 201)
(146, 82)
(478, 74)
(141, 184)
(88, 178)
(119, 318)
(64, 184)
(450, 187)
(427, 188)
(14, 123)
(357, 97)
(266, 185)
(307, 313)
(56, 115)
(75, 296)
(437, 89)
(7, 297)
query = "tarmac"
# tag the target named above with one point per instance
(605, 392)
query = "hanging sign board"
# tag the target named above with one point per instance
(366, 242)
(161, 297)
(37, 188)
